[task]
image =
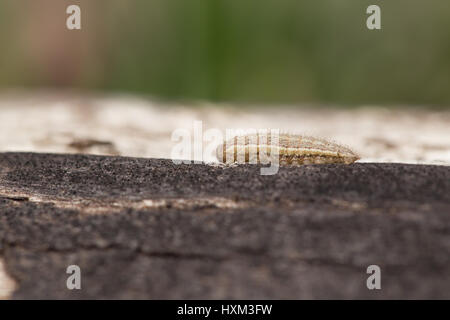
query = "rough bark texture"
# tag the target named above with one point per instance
(147, 228)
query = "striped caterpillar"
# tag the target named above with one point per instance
(292, 149)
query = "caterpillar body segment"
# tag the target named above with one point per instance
(291, 149)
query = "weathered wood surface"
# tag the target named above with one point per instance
(147, 228)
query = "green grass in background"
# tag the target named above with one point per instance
(277, 51)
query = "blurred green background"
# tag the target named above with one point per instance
(252, 51)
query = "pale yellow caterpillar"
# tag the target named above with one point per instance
(292, 149)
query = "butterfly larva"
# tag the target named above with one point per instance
(292, 149)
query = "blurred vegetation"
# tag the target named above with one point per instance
(257, 51)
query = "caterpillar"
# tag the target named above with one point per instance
(292, 149)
